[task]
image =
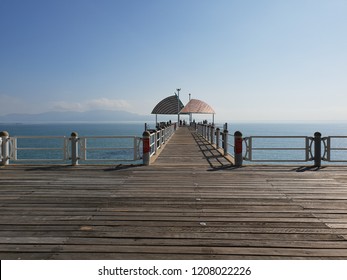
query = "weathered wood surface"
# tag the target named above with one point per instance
(190, 204)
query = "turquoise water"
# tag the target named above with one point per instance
(136, 129)
(299, 129)
(65, 129)
(292, 129)
(117, 150)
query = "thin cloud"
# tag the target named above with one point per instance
(11, 104)
(94, 104)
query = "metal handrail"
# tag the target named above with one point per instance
(14, 149)
(159, 137)
(328, 148)
(248, 141)
(65, 148)
(231, 141)
(84, 148)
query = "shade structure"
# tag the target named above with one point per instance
(196, 106)
(168, 106)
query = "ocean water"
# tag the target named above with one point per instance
(51, 150)
(26, 154)
(65, 129)
(334, 130)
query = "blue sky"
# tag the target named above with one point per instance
(251, 60)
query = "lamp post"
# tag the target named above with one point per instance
(178, 106)
(190, 114)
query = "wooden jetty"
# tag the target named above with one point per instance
(191, 203)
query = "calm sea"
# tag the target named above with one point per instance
(136, 129)
(93, 150)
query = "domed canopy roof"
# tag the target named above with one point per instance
(168, 106)
(196, 106)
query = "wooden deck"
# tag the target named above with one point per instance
(189, 204)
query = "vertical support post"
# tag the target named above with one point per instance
(307, 148)
(225, 141)
(74, 148)
(317, 149)
(155, 141)
(212, 134)
(328, 148)
(178, 106)
(146, 147)
(238, 148)
(208, 133)
(217, 137)
(5, 147)
(135, 149)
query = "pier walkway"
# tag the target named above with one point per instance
(189, 204)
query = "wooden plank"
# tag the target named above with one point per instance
(188, 205)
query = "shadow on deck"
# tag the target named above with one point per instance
(214, 157)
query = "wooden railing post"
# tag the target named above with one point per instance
(5, 148)
(238, 148)
(74, 148)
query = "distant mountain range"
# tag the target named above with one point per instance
(88, 116)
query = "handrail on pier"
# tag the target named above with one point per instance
(77, 149)
(154, 139)
(315, 148)
(62, 149)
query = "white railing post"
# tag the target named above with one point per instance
(155, 142)
(74, 148)
(157, 138)
(5, 148)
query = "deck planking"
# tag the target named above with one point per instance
(191, 203)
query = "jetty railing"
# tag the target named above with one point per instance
(154, 139)
(330, 149)
(74, 149)
(56, 147)
(85, 149)
(122, 148)
(268, 146)
(277, 149)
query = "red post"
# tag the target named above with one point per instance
(146, 147)
(238, 148)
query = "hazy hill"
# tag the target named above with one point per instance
(88, 116)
